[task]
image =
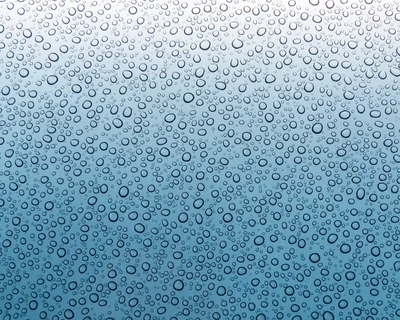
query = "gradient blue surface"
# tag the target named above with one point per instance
(199, 160)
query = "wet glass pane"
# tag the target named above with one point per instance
(217, 159)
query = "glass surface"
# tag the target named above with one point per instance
(199, 160)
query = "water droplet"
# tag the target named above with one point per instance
(237, 44)
(188, 97)
(314, 257)
(317, 128)
(348, 95)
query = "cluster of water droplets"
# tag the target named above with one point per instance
(199, 160)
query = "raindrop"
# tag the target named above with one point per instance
(348, 95)
(270, 78)
(198, 203)
(314, 257)
(178, 285)
(188, 97)
(237, 44)
(52, 80)
(317, 128)
(205, 45)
